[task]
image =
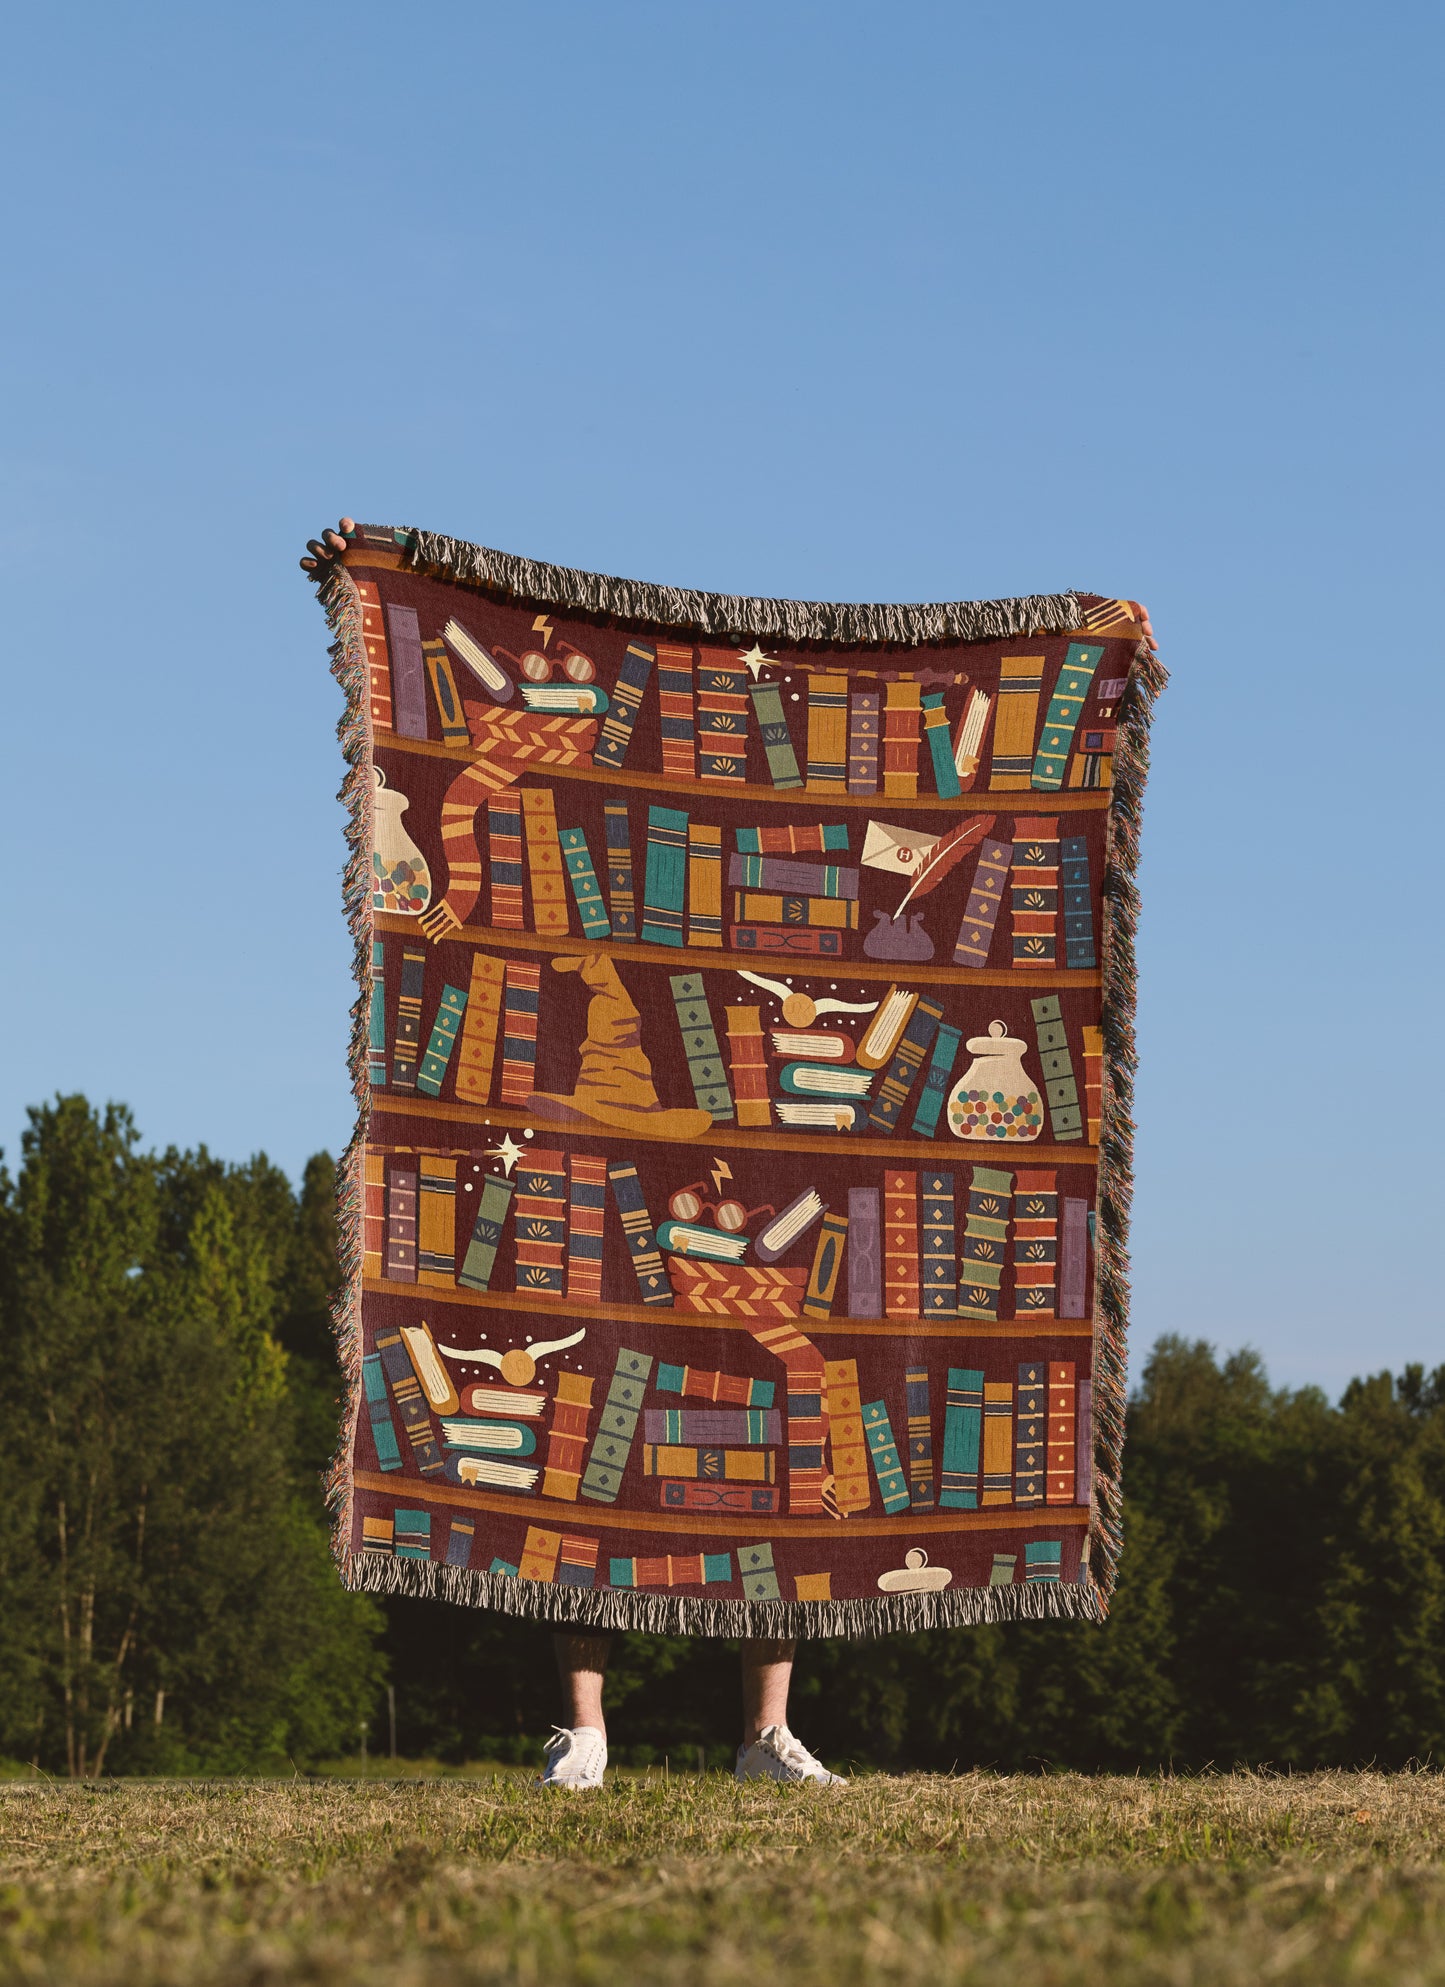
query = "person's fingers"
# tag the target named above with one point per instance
(348, 524)
(1141, 615)
(308, 565)
(335, 540)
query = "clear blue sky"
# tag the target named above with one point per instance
(835, 300)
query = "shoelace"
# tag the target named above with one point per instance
(792, 1752)
(584, 1746)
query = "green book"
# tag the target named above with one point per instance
(617, 1424)
(1066, 1119)
(699, 1041)
(481, 1257)
(782, 759)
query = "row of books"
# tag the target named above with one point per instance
(488, 1031)
(776, 903)
(865, 740)
(566, 1559)
(923, 1246)
(1023, 1444)
(858, 739)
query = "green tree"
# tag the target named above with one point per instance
(178, 1605)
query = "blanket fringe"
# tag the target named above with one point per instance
(342, 603)
(668, 1614)
(1116, 1137)
(833, 624)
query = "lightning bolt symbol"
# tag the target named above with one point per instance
(543, 627)
(720, 1172)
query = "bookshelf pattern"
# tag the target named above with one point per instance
(735, 1078)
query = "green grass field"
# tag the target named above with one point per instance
(977, 1879)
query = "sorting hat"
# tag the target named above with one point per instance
(614, 1080)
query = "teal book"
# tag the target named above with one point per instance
(376, 1018)
(1061, 720)
(443, 1040)
(383, 1429)
(664, 888)
(962, 1439)
(491, 1218)
(585, 887)
(700, 1045)
(935, 1080)
(777, 743)
(940, 747)
(878, 1432)
(413, 1535)
(1043, 1559)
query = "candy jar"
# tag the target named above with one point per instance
(995, 1097)
(400, 879)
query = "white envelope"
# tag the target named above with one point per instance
(898, 849)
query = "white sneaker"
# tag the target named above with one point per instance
(574, 1759)
(777, 1755)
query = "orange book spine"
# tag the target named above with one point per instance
(378, 662)
(900, 1245)
(567, 1437)
(749, 1065)
(1059, 1454)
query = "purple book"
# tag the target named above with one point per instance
(975, 934)
(1073, 1258)
(408, 671)
(799, 879)
(713, 1427)
(864, 1260)
(1084, 1443)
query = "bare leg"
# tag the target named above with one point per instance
(767, 1672)
(581, 1665)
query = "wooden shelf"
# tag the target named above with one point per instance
(563, 1310)
(710, 959)
(1071, 800)
(586, 1515)
(769, 1139)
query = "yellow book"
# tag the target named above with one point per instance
(848, 1450)
(539, 1554)
(477, 1049)
(704, 884)
(761, 907)
(545, 868)
(1020, 681)
(436, 1217)
(998, 1443)
(827, 734)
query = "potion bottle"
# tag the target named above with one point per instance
(400, 879)
(996, 1098)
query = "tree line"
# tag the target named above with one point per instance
(170, 1402)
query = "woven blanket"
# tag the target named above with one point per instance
(734, 1228)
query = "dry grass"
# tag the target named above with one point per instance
(979, 1879)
